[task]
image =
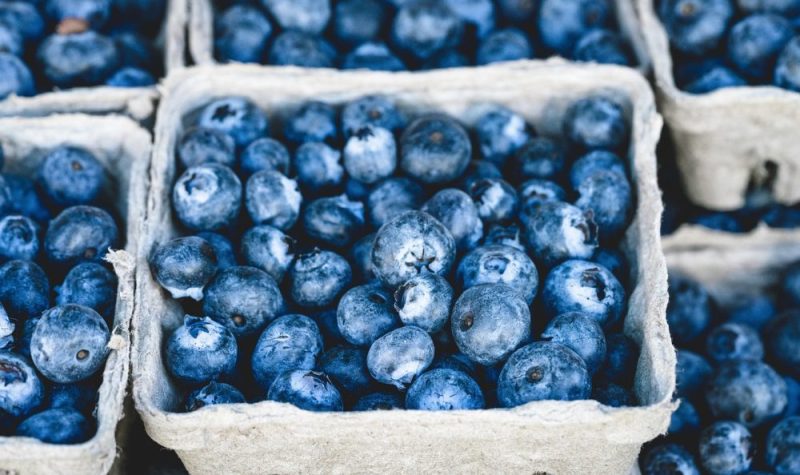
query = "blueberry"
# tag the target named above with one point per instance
(207, 197)
(688, 310)
(478, 170)
(669, 458)
(780, 216)
(478, 15)
(16, 77)
(596, 122)
(268, 249)
(782, 7)
(495, 199)
(434, 149)
(184, 266)
(358, 21)
(24, 289)
(272, 198)
(69, 343)
(614, 261)
(23, 344)
(319, 167)
(392, 197)
(518, 11)
(19, 238)
(334, 221)
(787, 69)
(293, 48)
(782, 452)
(7, 328)
(313, 121)
(696, 26)
(326, 321)
(244, 299)
(692, 373)
(543, 371)
(237, 117)
(201, 350)
(77, 60)
(379, 402)
(720, 221)
(265, 154)
(504, 235)
(557, 231)
(540, 191)
(135, 50)
(81, 396)
(21, 390)
(399, 356)
(91, 285)
(609, 198)
(24, 17)
(412, 243)
(562, 22)
(489, 322)
(456, 210)
(370, 154)
(93, 12)
(714, 79)
(308, 390)
(131, 77)
(422, 28)
(603, 46)
(318, 278)
(541, 158)
(613, 395)
(749, 392)
(11, 40)
(783, 342)
(361, 257)
(223, 249)
(375, 111)
(373, 56)
(424, 301)
(582, 286)
(291, 342)
(347, 367)
(622, 356)
(725, 448)
(212, 394)
(23, 198)
(449, 58)
(793, 397)
(71, 176)
(499, 264)
(790, 285)
(592, 163)
(365, 313)
(444, 390)
(308, 16)
(501, 132)
(200, 145)
(582, 335)
(509, 44)
(57, 426)
(685, 420)
(755, 42)
(734, 341)
(241, 33)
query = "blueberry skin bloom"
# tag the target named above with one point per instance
(688, 310)
(318, 278)
(21, 390)
(23, 197)
(334, 221)
(91, 285)
(412, 243)
(200, 145)
(207, 197)
(541, 158)
(783, 442)
(308, 390)
(535, 191)
(16, 77)
(201, 350)
(71, 176)
(265, 154)
(509, 44)
(557, 231)
(391, 198)
(504, 236)
(365, 313)
(434, 149)
(400, 356)
(223, 248)
(596, 122)
(379, 402)
(423, 28)
(501, 133)
(494, 264)
(77, 60)
(24, 288)
(241, 34)
(184, 266)
(424, 301)
(212, 394)
(272, 198)
(602, 46)
(80, 233)
(582, 335)
(495, 199)
(370, 154)
(347, 367)
(755, 42)
(787, 69)
(456, 210)
(734, 341)
(291, 342)
(562, 22)
(748, 392)
(19, 238)
(594, 162)
(696, 26)
(293, 48)
(725, 448)
(669, 458)
(444, 390)
(489, 322)
(608, 196)
(582, 286)
(319, 167)
(543, 371)
(313, 121)
(69, 343)
(268, 249)
(308, 16)
(783, 342)
(57, 426)
(244, 299)
(376, 111)
(358, 21)
(237, 117)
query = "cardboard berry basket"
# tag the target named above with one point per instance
(729, 138)
(548, 436)
(124, 150)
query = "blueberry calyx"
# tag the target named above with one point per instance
(592, 278)
(11, 373)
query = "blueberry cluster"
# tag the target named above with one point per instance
(60, 44)
(729, 43)
(51, 357)
(398, 35)
(738, 387)
(370, 260)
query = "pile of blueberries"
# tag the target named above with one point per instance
(369, 260)
(398, 35)
(61, 44)
(729, 43)
(738, 381)
(51, 357)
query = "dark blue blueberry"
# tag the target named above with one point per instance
(375, 111)
(24, 17)
(412, 243)
(783, 342)
(241, 34)
(596, 122)
(719, 221)
(77, 60)
(787, 69)
(308, 390)
(594, 162)
(582, 335)
(691, 373)
(734, 341)
(562, 22)
(423, 28)
(81, 396)
(685, 420)
(23, 344)
(69, 343)
(399, 356)
(237, 117)
(207, 197)
(424, 301)
(24, 199)
(541, 158)
(391, 198)
(244, 299)
(19, 238)
(200, 145)
(326, 321)
(444, 390)
(717, 78)
(790, 284)
(532, 191)
(614, 261)
(793, 397)
(131, 77)
(782, 7)
(57, 426)
(71, 176)
(319, 167)
(318, 278)
(755, 311)
(15, 77)
(24, 289)
(308, 16)
(449, 58)
(495, 199)
(504, 235)
(94, 12)
(212, 394)
(434, 149)
(291, 342)
(669, 459)
(135, 50)
(509, 44)
(543, 371)
(365, 313)
(335, 221)
(313, 121)
(293, 48)
(184, 266)
(223, 249)
(501, 133)
(347, 367)
(688, 310)
(749, 392)
(696, 27)
(265, 154)
(272, 198)
(91, 285)
(358, 21)
(780, 216)
(726, 447)
(582, 286)
(370, 154)
(379, 402)
(613, 395)
(622, 356)
(361, 257)
(201, 350)
(10, 40)
(783, 447)
(373, 56)
(478, 170)
(608, 196)
(557, 231)
(518, 11)
(21, 390)
(755, 42)
(268, 249)
(456, 210)
(489, 322)
(499, 264)
(603, 46)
